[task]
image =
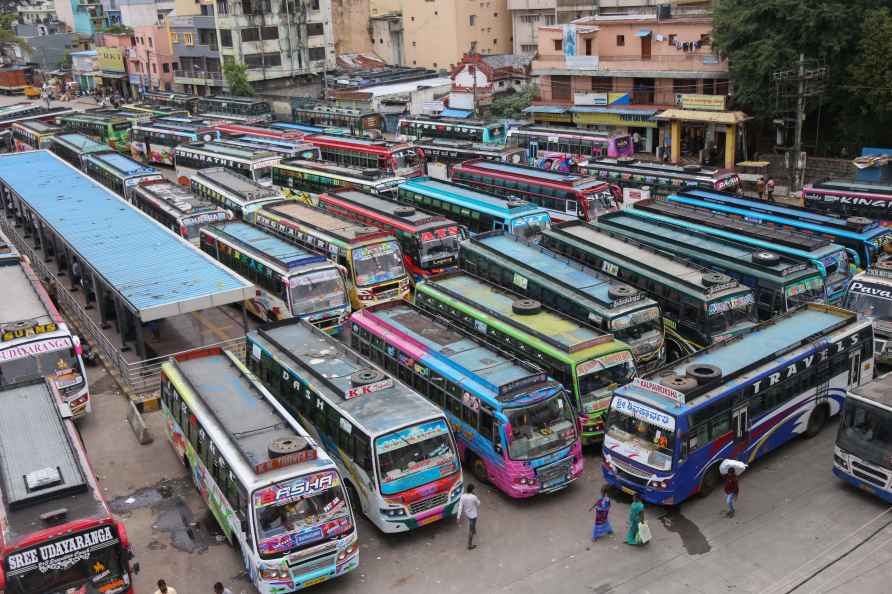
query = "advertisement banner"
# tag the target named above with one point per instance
(110, 59)
(703, 102)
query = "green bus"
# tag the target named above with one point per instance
(589, 363)
(112, 130)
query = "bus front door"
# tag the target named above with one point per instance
(740, 423)
(534, 152)
(855, 369)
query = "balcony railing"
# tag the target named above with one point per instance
(204, 75)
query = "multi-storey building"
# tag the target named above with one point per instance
(528, 15)
(151, 61)
(31, 12)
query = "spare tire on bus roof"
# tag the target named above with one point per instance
(712, 279)
(526, 307)
(703, 372)
(691, 168)
(404, 211)
(765, 257)
(284, 446)
(621, 291)
(678, 382)
(366, 376)
(625, 160)
(515, 202)
(859, 221)
(884, 264)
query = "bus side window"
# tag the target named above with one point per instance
(362, 451)
(469, 416)
(486, 424)
(455, 406)
(345, 437)
(720, 425)
(202, 445)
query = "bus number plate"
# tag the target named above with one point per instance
(314, 581)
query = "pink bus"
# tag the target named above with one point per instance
(515, 427)
(550, 146)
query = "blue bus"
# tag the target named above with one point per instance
(831, 260)
(779, 282)
(668, 433)
(420, 126)
(289, 149)
(864, 239)
(477, 211)
(308, 129)
(515, 427)
(117, 172)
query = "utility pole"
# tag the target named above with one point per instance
(799, 172)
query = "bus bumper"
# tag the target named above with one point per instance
(872, 489)
(647, 493)
(593, 430)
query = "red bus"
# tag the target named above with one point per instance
(844, 198)
(567, 196)
(429, 242)
(58, 534)
(404, 160)
(233, 129)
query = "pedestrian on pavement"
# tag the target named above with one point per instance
(732, 489)
(470, 505)
(163, 588)
(760, 187)
(219, 589)
(636, 140)
(769, 187)
(636, 516)
(602, 509)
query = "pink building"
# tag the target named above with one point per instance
(111, 77)
(151, 60)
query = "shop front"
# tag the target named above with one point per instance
(706, 135)
(620, 120)
(550, 114)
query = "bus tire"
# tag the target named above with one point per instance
(355, 503)
(711, 479)
(478, 468)
(816, 420)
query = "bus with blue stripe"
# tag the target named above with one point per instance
(308, 129)
(779, 282)
(863, 452)
(289, 149)
(393, 447)
(668, 434)
(844, 198)
(831, 260)
(515, 427)
(477, 211)
(864, 239)
(420, 126)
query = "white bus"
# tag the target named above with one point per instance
(35, 342)
(233, 191)
(308, 179)
(394, 448)
(253, 163)
(291, 281)
(277, 496)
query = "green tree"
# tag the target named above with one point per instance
(118, 29)
(8, 38)
(512, 105)
(236, 76)
(871, 73)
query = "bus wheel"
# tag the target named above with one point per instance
(478, 468)
(816, 420)
(355, 503)
(710, 481)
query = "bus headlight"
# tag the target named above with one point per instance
(840, 461)
(273, 573)
(456, 490)
(393, 513)
(348, 551)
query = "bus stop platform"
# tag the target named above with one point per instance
(137, 290)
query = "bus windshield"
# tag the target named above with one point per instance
(415, 456)
(61, 365)
(867, 299)
(730, 315)
(99, 572)
(805, 291)
(866, 431)
(599, 203)
(596, 377)
(439, 244)
(641, 330)
(317, 291)
(541, 429)
(377, 263)
(263, 174)
(406, 161)
(641, 433)
(837, 266)
(530, 227)
(300, 513)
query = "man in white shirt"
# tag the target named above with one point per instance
(470, 505)
(163, 588)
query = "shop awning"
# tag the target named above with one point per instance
(707, 117)
(456, 113)
(110, 74)
(643, 33)
(545, 109)
(617, 111)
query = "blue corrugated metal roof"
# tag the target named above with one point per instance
(265, 243)
(125, 165)
(455, 113)
(545, 109)
(618, 111)
(157, 273)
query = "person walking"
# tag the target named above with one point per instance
(769, 187)
(636, 516)
(732, 489)
(636, 141)
(760, 187)
(470, 505)
(220, 589)
(602, 510)
(163, 588)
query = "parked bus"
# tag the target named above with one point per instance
(250, 109)
(33, 135)
(287, 149)
(476, 211)
(565, 195)
(355, 121)
(32, 113)
(156, 111)
(394, 448)
(589, 363)
(864, 239)
(700, 306)
(416, 127)
(232, 191)
(398, 159)
(573, 289)
(112, 130)
(235, 130)
(176, 207)
(275, 494)
(429, 242)
(779, 282)
(310, 178)
(371, 256)
(448, 153)
(870, 294)
(155, 141)
(831, 260)
(515, 427)
(850, 199)
(57, 533)
(118, 173)
(73, 147)
(252, 163)
(667, 434)
(35, 341)
(174, 100)
(863, 452)
(579, 144)
(290, 281)
(661, 178)
(308, 129)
